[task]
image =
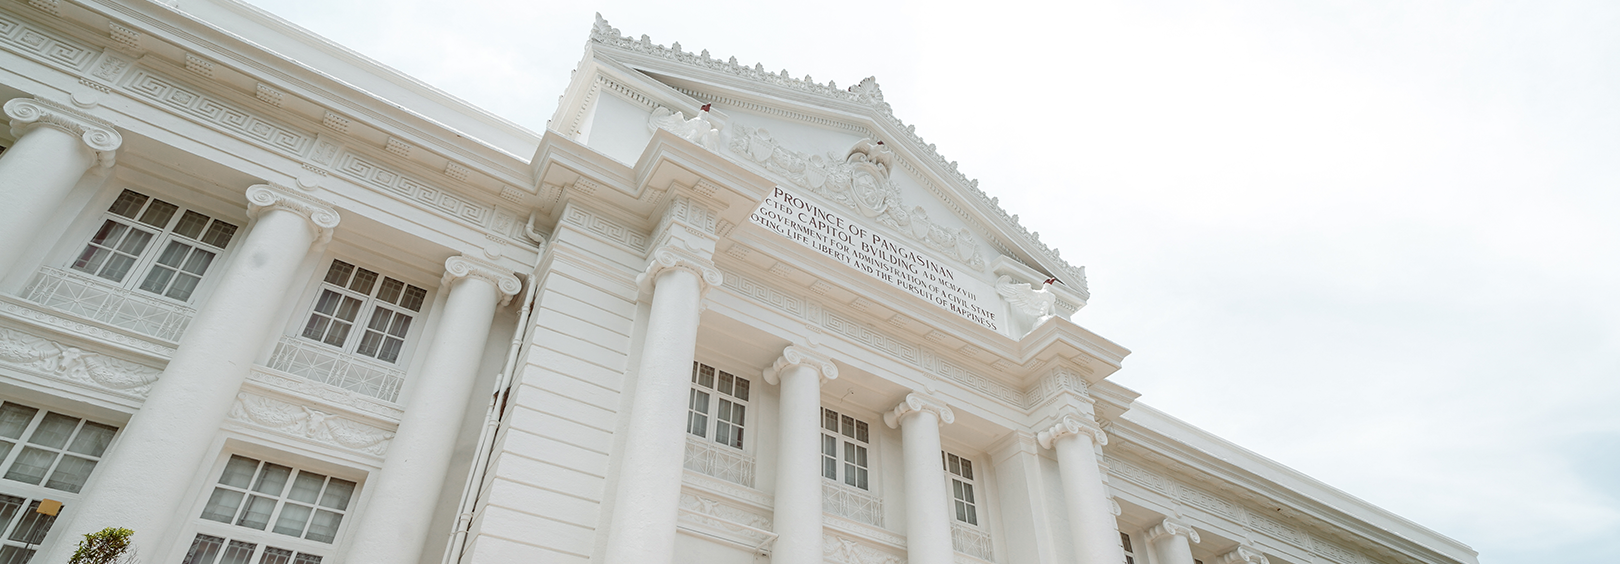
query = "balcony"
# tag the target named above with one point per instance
(720, 461)
(971, 541)
(312, 360)
(93, 298)
(851, 503)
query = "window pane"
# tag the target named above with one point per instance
(204, 549)
(742, 389)
(14, 419)
(413, 298)
(339, 273)
(849, 426)
(159, 213)
(238, 552)
(272, 479)
(370, 344)
(128, 203)
(380, 318)
(134, 242)
(316, 327)
(706, 376)
(954, 464)
(239, 471)
(324, 526)
(219, 234)
(967, 493)
(391, 290)
(725, 381)
(8, 508)
(191, 224)
(117, 266)
(307, 488)
(257, 513)
(292, 519)
(273, 555)
(198, 262)
(860, 432)
(829, 420)
(327, 304)
(304, 558)
(31, 465)
(961, 511)
(15, 555)
(337, 334)
(364, 281)
(972, 515)
(348, 309)
(70, 474)
(337, 494)
(184, 285)
(91, 258)
(390, 350)
(967, 469)
(173, 253)
(401, 326)
(222, 505)
(32, 527)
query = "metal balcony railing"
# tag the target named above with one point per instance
(312, 360)
(720, 461)
(93, 298)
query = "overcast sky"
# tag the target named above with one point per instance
(1376, 241)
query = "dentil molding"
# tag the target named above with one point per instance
(799, 356)
(1170, 527)
(915, 403)
(57, 361)
(311, 424)
(99, 135)
(1071, 425)
(320, 216)
(458, 267)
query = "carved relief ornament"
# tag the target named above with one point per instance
(61, 362)
(320, 216)
(672, 256)
(798, 356)
(458, 267)
(916, 403)
(98, 135)
(1170, 527)
(1069, 425)
(301, 421)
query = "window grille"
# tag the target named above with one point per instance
(383, 307)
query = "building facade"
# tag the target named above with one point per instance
(263, 300)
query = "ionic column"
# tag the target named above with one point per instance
(797, 521)
(1172, 541)
(55, 146)
(1091, 517)
(395, 523)
(1243, 555)
(649, 486)
(928, 523)
(140, 483)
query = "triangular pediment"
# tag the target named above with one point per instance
(841, 146)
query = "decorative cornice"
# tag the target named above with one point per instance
(1243, 555)
(798, 356)
(463, 266)
(866, 93)
(916, 402)
(673, 256)
(1071, 425)
(320, 216)
(1170, 527)
(99, 135)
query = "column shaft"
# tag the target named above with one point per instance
(395, 523)
(1173, 549)
(38, 172)
(649, 485)
(1091, 520)
(798, 510)
(140, 483)
(928, 525)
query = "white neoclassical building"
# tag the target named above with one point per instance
(266, 301)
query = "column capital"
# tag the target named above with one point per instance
(1170, 527)
(99, 135)
(322, 218)
(1243, 555)
(1068, 425)
(463, 266)
(917, 402)
(799, 356)
(675, 256)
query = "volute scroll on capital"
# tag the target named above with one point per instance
(320, 215)
(462, 266)
(1243, 555)
(1170, 527)
(1070, 425)
(670, 256)
(99, 135)
(916, 403)
(798, 356)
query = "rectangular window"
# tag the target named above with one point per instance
(22, 526)
(381, 306)
(845, 442)
(209, 549)
(171, 246)
(46, 448)
(268, 496)
(717, 406)
(960, 472)
(1130, 554)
